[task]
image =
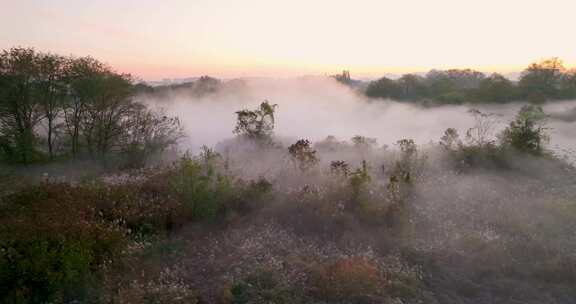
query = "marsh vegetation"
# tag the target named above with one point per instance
(481, 214)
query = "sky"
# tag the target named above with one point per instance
(260, 38)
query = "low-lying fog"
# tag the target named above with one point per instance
(316, 107)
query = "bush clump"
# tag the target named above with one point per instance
(262, 286)
(51, 245)
(354, 279)
(206, 190)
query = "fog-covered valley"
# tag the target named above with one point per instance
(287, 152)
(317, 107)
(453, 187)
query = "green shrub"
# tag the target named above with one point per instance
(42, 269)
(453, 97)
(478, 152)
(55, 238)
(143, 209)
(202, 190)
(205, 192)
(527, 132)
(303, 155)
(359, 180)
(51, 246)
(252, 195)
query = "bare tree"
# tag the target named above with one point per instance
(482, 132)
(148, 133)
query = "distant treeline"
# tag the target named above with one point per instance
(541, 81)
(193, 88)
(53, 106)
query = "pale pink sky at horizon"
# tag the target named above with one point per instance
(170, 39)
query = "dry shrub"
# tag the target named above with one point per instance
(262, 286)
(141, 209)
(351, 278)
(55, 238)
(159, 291)
(52, 244)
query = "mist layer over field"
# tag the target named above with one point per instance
(317, 107)
(424, 215)
(473, 223)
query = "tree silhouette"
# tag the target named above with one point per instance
(256, 124)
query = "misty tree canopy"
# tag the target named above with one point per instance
(54, 106)
(541, 81)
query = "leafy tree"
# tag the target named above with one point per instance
(568, 85)
(339, 168)
(412, 87)
(90, 102)
(445, 81)
(256, 124)
(453, 97)
(454, 86)
(99, 107)
(359, 180)
(527, 132)
(82, 73)
(408, 150)
(544, 80)
(438, 83)
(148, 133)
(107, 113)
(451, 140)
(51, 92)
(541, 80)
(364, 143)
(303, 155)
(205, 85)
(464, 78)
(19, 110)
(496, 88)
(383, 88)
